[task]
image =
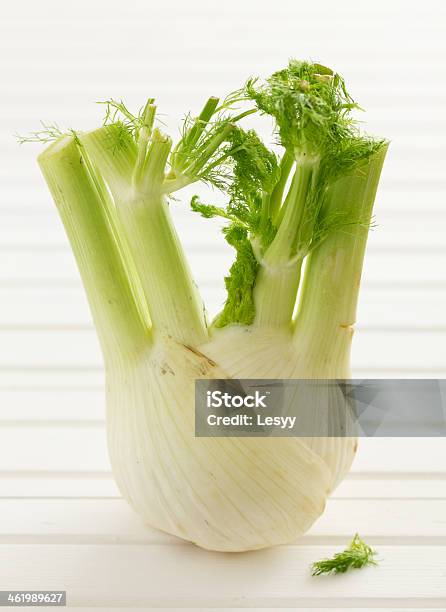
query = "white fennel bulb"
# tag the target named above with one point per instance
(312, 204)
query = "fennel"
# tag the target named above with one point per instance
(313, 203)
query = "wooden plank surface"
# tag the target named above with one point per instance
(220, 609)
(280, 577)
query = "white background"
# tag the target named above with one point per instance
(56, 60)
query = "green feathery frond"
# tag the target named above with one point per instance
(312, 111)
(281, 209)
(239, 306)
(205, 147)
(356, 556)
(255, 172)
(117, 112)
(209, 211)
(49, 133)
(309, 103)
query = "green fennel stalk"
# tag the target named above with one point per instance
(279, 211)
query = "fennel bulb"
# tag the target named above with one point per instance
(313, 203)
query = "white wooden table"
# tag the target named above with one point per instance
(62, 522)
